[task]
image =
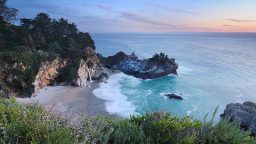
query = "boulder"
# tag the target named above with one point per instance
(245, 114)
(173, 96)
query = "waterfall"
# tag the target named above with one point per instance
(89, 73)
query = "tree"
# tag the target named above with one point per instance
(7, 13)
(27, 23)
(42, 22)
(85, 40)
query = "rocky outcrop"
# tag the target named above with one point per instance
(157, 66)
(112, 61)
(48, 72)
(244, 113)
(102, 73)
(96, 64)
(173, 96)
(83, 74)
(92, 60)
(87, 70)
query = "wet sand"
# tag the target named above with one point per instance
(70, 100)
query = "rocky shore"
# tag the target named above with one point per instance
(81, 72)
(244, 114)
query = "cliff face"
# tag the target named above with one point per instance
(48, 72)
(83, 74)
(92, 61)
(86, 71)
(18, 72)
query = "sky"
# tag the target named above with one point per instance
(99, 16)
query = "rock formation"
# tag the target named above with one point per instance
(83, 74)
(173, 96)
(157, 66)
(87, 70)
(48, 72)
(244, 113)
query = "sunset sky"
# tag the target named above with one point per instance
(147, 15)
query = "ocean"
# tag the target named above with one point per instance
(214, 69)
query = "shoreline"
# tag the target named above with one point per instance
(70, 100)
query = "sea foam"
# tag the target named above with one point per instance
(116, 102)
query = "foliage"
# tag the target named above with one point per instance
(23, 48)
(106, 130)
(159, 58)
(164, 128)
(32, 124)
(22, 69)
(6, 13)
(69, 72)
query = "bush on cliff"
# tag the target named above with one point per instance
(20, 69)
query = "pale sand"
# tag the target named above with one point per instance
(73, 100)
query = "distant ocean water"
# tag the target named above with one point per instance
(214, 69)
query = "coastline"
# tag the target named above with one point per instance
(69, 100)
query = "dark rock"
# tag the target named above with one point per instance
(244, 113)
(173, 96)
(112, 61)
(101, 74)
(157, 66)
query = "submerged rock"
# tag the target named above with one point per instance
(173, 96)
(244, 113)
(157, 66)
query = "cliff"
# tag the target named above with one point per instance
(81, 76)
(48, 72)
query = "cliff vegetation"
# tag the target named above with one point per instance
(24, 47)
(33, 124)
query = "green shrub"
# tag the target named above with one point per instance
(164, 128)
(105, 130)
(32, 124)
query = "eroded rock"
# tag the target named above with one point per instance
(244, 113)
(48, 72)
(157, 66)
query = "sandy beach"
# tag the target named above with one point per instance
(70, 100)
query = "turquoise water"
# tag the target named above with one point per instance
(214, 69)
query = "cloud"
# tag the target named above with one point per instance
(231, 26)
(179, 10)
(138, 18)
(105, 7)
(241, 20)
(172, 9)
